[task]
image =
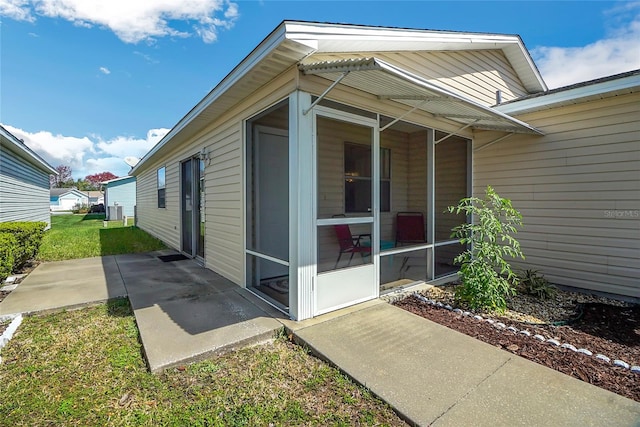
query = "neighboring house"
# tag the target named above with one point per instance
(65, 199)
(95, 197)
(293, 176)
(24, 182)
(120, 192)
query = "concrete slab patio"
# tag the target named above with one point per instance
(186, 312)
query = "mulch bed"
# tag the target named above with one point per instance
(613, 331)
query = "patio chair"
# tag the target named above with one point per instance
(350, 243)
(410, 228)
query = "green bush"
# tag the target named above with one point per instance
(28, 236)
(80, 209)
(534, 283)
(8, 246)
(487, 278)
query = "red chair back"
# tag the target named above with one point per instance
(343, 233)
(410, 227)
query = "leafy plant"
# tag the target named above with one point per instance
(487, 278)
(534, 283)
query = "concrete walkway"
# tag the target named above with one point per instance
(430, 374)
(433, 375)
(184, 312)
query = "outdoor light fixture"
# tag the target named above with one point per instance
(205, 156)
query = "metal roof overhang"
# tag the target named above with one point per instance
(387, 81)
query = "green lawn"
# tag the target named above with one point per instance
(85, 367)
(84, 236)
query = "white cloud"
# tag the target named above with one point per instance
(16, 9)
(88, 155)
(132, 21)
(617, 53)
(105, 70)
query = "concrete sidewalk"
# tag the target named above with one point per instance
(184, 312)
(430, 374)
(433, 375)
(66, 285)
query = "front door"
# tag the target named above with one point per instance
(347, 209)
(191, 207)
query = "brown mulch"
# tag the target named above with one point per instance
(611, 330)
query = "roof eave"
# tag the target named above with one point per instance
(573, 94)
(26, 153)
(267, 46)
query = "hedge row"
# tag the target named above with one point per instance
(19, 242)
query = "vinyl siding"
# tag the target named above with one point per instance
(473, 74)
(578, 188)
(124, 194)
(224, 213)
(24, 190)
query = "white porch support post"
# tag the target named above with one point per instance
(302, 263)
(431, 200)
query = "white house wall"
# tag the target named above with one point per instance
(24, 190)
(124, 194)
(578, 189)
(474, 74)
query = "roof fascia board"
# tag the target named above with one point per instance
(570, 95)
(25, 152)
(122, 178)
(405, 39)
(268, 45)
(300, 31)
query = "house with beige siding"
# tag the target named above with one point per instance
(24, 182)
(317, 172)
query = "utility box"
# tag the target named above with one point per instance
(114, 213)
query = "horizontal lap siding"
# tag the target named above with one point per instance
(224, 213)
(24, 190)
(124, 194)
(163, 223)
(578, 188)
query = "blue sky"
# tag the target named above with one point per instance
(87, 83)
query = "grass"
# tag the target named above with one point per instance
(85, 367)
(84, 236)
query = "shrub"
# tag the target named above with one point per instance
(487, 278)
(80, 208)
(8, 246)
(534, 283)
(28, 237)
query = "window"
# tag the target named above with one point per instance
(357, 178)
(161, 188)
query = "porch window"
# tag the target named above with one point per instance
(161, 188)
(357, 178)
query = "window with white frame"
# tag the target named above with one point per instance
(358, 175)
(161, 187)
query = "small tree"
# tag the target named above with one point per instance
(63, 179)
(97, 178)
(487, 278)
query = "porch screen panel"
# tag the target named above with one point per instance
(344, 190)
(268, 192)
(451, 185)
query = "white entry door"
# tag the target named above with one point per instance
(347, 207)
